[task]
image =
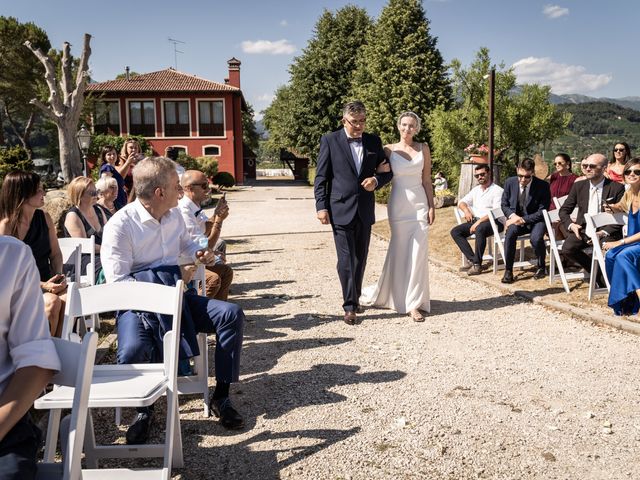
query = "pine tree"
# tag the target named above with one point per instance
(320, 83)
(400, 68)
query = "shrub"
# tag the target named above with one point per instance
(102, 140)
(382, 194)
(188, 162)
(224, 179)
(15, 158)
(311, 175)
(445, 193)
(208, 166)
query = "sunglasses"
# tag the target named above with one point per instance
(524, 176)
(203, 185)
(355, 123)
(619, 150)
(559, 163)
(589, 166)
(629, 172)
(478, 175)
(92, 193)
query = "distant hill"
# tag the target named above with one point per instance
(627, 102)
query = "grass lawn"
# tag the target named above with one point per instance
(443, 249)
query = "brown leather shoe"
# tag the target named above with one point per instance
(350, 318)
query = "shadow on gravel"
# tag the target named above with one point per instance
(242, 288)
(442, 307)
(256, 252)
(248, 459)
(274, 395)
(240, 266)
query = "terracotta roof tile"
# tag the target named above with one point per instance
(168, 80)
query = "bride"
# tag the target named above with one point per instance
(404, 283)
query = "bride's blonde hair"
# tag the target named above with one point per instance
(412, 115)
(627, 198)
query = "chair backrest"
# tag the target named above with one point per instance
(72, 254)
(76, 362)
(549, 218)
(558, 201)
(88, 247)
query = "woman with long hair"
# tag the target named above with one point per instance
(130, 153)
(622, 259)
(21, 200)
(620, 155)
(110, 165)
(562, 179)
(404, 283)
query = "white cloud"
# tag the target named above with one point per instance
(279, 47)
(265, 97)
(554, 11)
(284, 23)
(563, 78)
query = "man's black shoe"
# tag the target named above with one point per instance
(139, 430)
(222, 409)
(540, 273)
(508, 277)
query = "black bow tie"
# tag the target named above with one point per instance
(197, 212)
(354, 139)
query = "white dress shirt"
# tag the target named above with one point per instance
(24, 329)
(595, 198)
(482, 200)
(356, 152)
(196, 224)
(133, 240)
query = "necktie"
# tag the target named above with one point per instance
(354, 139)
(197, 212)
(523, 198)
(594, 205)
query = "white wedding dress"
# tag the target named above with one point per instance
(404, 283)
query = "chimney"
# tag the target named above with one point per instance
(126, 71)
(234, 72)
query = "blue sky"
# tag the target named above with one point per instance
(576, 46)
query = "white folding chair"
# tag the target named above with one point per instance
(72, 255)
(555, 261)
(88, 247)
(76, 361)
(130, 385)
(496, 215)
(593, 223)
(487, 256)
(558, 201)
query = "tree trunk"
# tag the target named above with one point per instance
(1, 130)
(70, 160)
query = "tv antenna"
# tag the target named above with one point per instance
(175, 50)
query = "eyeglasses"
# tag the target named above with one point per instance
(355, 124)
(619, 150)
(482, 174)
(203, 185)
(558, 163)
(92, 193)
(629, 172)
(589, 166)
(524, 176)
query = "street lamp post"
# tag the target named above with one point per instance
(84, 141)
(492, 97)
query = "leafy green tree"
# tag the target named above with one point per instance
(249, 134)
(523, 116)
(400, 68)
(320, 83)
(20, 77)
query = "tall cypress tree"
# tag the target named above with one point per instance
(321, 81)
(400, 68)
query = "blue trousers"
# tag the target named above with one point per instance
(18, 451)
(137, 344)
(537, 231)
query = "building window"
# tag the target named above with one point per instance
(107, 118)
(142, 118)
(176, 119)
(211, 118)
(211, 151)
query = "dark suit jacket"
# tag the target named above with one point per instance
(337, 184)
(539, 198)
(579, 197)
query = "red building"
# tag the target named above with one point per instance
(174, 109)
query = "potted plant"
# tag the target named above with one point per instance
(477, 153)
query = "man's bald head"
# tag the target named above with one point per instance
(192, 176)
(195, 185)
(593, 167)
(598, 158)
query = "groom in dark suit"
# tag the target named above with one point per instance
(523, 200)
(346, 176)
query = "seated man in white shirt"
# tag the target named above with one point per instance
(475, 206)
(150, 233)
(28, 358)
(196, 190)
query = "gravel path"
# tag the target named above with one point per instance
(489, 386)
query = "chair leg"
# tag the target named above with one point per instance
(51, 441)
(118, 416)
(203, 370)
(90, 443)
